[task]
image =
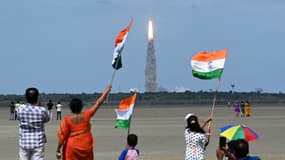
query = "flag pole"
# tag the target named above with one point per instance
(113, 76)
(215, 97)
(214, 100)
(111, 82)
(129, 128)
(115, 68)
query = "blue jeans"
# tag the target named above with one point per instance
(32, 154)
(50, 114)
(12, 116)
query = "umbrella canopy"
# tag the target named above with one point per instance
(238, 131)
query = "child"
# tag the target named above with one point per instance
(130, 153)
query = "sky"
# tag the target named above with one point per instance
(66, 46)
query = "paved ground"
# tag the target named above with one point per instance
(160, 131)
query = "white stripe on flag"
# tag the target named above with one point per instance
(124, 114)
(207, 66)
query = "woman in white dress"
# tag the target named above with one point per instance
(196, 138)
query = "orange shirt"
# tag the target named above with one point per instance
(76, 138)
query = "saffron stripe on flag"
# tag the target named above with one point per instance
(127, 103)
(210, 56)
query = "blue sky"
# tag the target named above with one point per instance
(66, 46)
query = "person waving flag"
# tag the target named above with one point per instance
(209, 65)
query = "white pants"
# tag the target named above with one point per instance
(32, 154)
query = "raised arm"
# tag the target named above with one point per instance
(209, 119)
(101, 99)
(208, 131)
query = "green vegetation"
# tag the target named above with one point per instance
(161, 98)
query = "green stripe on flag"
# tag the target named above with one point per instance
(208, 75)
(122, 123)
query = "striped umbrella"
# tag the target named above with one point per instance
(238, 131)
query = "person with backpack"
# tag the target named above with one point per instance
(130, 152)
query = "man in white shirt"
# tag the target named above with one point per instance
(58, 110)
(17, 105)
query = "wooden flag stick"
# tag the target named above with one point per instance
(215, 97)
(214, 101)
(129, 128)
(113, 76)
(111, 82)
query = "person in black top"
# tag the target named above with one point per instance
(49, 107)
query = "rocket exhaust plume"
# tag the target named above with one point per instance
(150, 68)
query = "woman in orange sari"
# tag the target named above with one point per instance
(74, 135)
(247, 108)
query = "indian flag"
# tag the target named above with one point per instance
(208, 65)
(119, 46)
(125, 111)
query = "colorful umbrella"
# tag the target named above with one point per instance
(237, 131)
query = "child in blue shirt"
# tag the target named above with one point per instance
(130, 152)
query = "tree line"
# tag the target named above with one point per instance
(159, 98)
